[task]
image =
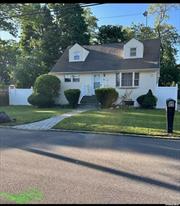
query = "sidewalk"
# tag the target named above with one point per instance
(48, 123)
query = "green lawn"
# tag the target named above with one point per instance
(135, 121)
(27, 114)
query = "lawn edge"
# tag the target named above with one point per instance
(118, 133)
(93, 132)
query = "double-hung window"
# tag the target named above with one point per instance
(71, 78)
(136, 79)
(132, 52)
(67, 78)
(127, 79)
(76, 55)
(75, 78)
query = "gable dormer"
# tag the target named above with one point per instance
(77, 53)
(133, 49)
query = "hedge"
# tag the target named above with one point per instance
(106, 96)
(72, 95)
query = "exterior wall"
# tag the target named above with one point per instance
(77, 48)
(147, 80)
(85, 85)
(136, 44)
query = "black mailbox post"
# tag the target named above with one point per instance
(171, 105)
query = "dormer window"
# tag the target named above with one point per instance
(132, 52)
(76, 56)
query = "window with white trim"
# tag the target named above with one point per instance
(136, 79)
(127, 79)
(133, 52)
(67, 78)
(117, 80)
(76, 78)
(76, 55)
(71, 78)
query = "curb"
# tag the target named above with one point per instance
(93, 132)
(116, 134)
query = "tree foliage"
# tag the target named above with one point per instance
(8, 53)
(72, 24)
(111, 34)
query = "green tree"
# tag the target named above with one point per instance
(8, 53)
(111, 34)
(7, 18)
(169, 39)
(27, 69)
(141, 32)
(39, 32)
(92, 27)
(72, 24)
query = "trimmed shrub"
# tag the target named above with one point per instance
(106, 96)
(147, 101)
(72, 95)
(48, 85)
(40, 100)
(46, 89)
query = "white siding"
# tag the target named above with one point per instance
(147, 80)
(133, 43)
(77, 48)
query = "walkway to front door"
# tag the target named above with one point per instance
(49, 123)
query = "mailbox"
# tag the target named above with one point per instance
(171, 105)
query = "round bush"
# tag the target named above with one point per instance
(47, 85)
(106, 96)
(72, 95)
(40, 100)
(147, 101)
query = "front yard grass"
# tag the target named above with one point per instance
(132, 120)
(28, 114)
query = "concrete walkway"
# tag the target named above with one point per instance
(48, 123)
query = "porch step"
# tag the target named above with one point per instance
(89, 101)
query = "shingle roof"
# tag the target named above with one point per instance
(109, 57)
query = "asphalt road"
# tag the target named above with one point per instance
(89, 168)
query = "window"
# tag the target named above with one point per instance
(136, 79)
(71, 78)
(67, 78)
(117, 80)
(76, 78)
(132, 52)
(126, 79)
(76, 55)
(130, 79)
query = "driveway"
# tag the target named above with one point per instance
(89, 168)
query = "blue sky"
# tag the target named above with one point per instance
(102, 12)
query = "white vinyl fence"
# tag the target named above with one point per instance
(164, 93)
(19, 96)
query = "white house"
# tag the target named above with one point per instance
(133, 67)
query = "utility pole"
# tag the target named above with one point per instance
(145, 14)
